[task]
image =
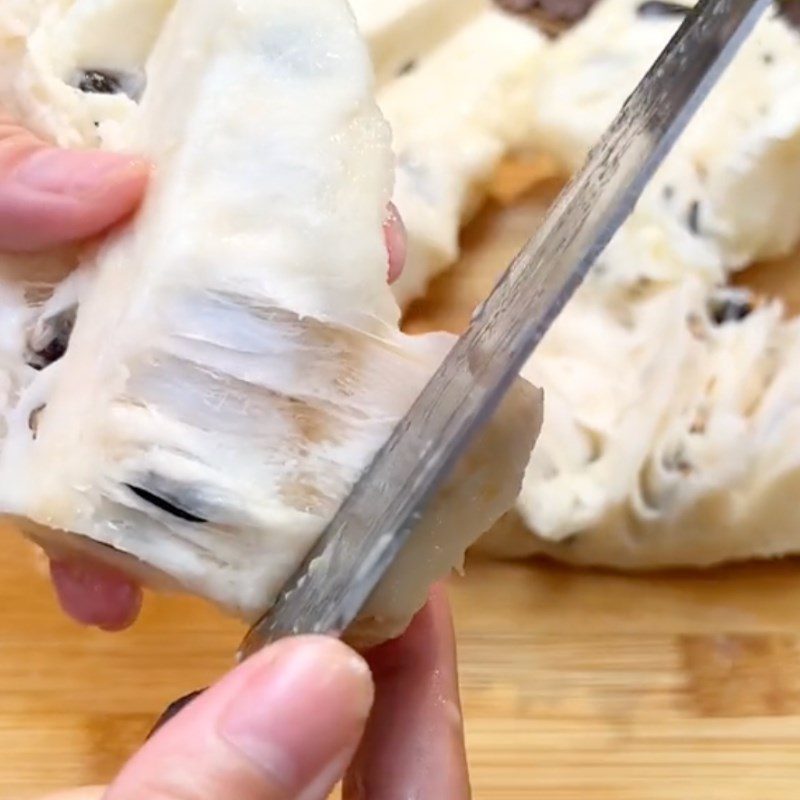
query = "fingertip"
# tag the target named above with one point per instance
(396, 237)
(299, 716)
(429, 638)
(414, 744)
(315, 685)
(79, 174)
(53, 196)
(338, 659)
(284, 724)
(124, 185)
(112, 196)
(94, 594)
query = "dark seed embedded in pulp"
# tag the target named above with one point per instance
(97, 82)
(165, 505)
(563, 11)
(107, 81)
(661, 8)
(693, 217)
(51, 338)
(409, 66)
(731, 307)
(33, 419)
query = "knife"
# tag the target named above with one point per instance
(372, 525)
(370, 528)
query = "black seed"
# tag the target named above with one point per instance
(33, 419)
(95, 81)
(106, 81)
(677, 462)
(554, 11)
(731, 307)
(669, 192)
(49, 355)
(164, 504)
(51, 338)
(767, 58)
(409, 66)
(693, 218)
(660, 8)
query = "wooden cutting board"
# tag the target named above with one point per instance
(577, 685)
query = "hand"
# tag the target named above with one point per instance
(51, 197)
(289, 722)
(286, 725)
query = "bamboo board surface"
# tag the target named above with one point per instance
(577, 685)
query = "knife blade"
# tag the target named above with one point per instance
(370, 528)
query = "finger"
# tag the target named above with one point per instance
(87, 793)
(94, 594)
(414, 743)
(285, 724)
(50, 196)
(396, 242)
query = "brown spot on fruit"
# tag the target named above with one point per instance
(300, 493)
(312, 423)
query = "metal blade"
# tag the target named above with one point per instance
(370, 528)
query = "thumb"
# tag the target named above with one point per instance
(50, 196)
(283, 726)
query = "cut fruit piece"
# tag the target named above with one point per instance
(671, 403)
(236, 359)
(729, 193)
(454, 117)
(700, 465)
(401, 32)
(672, 418)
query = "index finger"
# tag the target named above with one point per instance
(414, 742)
(50, 196)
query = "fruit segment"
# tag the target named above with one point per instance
(729, 193)
(672, 401)
(203, 392)
(453, 117)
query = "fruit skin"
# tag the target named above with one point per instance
(236, 359)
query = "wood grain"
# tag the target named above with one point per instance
(577, 685)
